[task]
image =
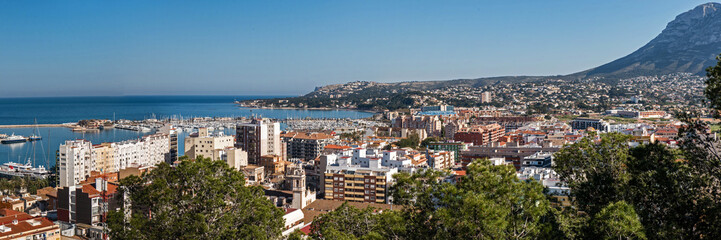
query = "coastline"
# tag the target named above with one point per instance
(315, 109)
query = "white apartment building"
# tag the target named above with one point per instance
(75, 162)
(77, 158)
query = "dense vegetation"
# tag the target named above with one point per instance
(31, 185)
(200, 199)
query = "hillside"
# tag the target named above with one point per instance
(689, 43)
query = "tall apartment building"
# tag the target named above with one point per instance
(104, 155)
(77, 158)
(486, 97)
(306, 146)
(480, 134)
(259, 137)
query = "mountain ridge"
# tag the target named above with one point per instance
(689, 43)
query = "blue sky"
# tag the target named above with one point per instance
(89, 48)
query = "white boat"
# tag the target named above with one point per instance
(13, 169)
(13, 139)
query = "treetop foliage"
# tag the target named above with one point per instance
(200, 199)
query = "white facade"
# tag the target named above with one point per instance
(77, 160)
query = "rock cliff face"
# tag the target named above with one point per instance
(689, 43)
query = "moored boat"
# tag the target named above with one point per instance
(13, 169)
(34, 138)
(13, 139)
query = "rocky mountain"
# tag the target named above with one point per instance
(689, 43)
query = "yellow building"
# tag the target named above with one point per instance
(104, 156)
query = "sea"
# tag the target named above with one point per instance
(57, 110)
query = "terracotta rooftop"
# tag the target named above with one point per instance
(28, 227)
(336, 147)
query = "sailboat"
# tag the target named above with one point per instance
(36, 133)
(13, 169)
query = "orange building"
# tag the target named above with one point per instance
(480, 134)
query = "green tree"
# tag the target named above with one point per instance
(428, 140)
(618, 220)
(411, 141)
(199, 199)
(595, 171)
(352, 136)
(348, 222)
(659, 191)
(713, 86)
(489, 202)
(702, 156)
(31, 185)
(568, 223)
